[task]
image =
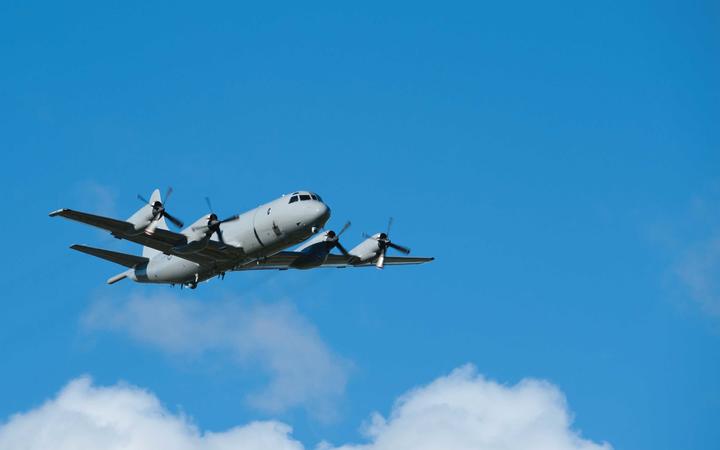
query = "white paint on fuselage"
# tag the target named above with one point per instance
(261, 232)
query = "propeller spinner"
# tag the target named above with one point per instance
(159, 211)
(335, 239)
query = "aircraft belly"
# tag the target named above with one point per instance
(166, 269)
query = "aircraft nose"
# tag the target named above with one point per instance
(322, 214)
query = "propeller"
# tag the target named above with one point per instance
(159, 211)
(213, 223)
(335, 239)
(384, 243)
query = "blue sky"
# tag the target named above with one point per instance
(560, 160)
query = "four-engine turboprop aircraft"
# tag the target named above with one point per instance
(254, 240)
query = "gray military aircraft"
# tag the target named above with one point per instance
(254, 240)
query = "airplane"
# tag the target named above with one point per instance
(255, 240)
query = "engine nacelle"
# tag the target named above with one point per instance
(142, 219)
(314, 252)
(197, 237)
(367, 250)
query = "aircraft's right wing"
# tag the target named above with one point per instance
(341, 261)
(282, 261)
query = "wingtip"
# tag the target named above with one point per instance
(57, 212)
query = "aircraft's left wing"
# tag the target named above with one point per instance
(112, 225)
(162, 240)
(282, 261)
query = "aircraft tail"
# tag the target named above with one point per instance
(129, 261)
(123, 259)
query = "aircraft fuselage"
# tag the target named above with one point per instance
(258, 233)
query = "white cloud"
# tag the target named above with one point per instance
(460, 411)
(274, 337)
(466, 411)
(83, 417)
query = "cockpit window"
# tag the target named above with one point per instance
(318, 198)
(313, 196)
(293, 199)
(304, 197)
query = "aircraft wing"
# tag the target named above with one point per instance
(342, 261)
(282, 261)
(162, 240)
(112, 225)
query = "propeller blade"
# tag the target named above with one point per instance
(390, 222)
(207, 200)
(220, 236)
(230, 219)
(201, 227)
(342, 249)
(167, 193)
(344, 228)
(143, 199)
(399, 248)
(174, 220)
(151, 228)
(380, 263)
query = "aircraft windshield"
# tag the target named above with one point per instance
(302, 197)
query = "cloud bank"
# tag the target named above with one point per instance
(273, 337)
(460, 411)
(84, 417)
(466, 411)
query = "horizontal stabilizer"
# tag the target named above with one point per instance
(118, 258)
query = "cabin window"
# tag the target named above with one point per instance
(304, 197)
(293, 199)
